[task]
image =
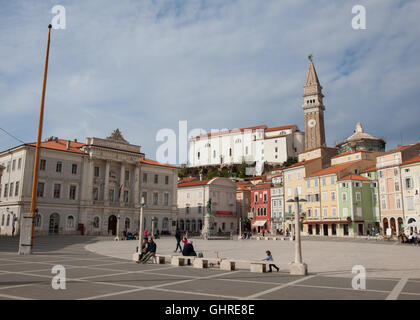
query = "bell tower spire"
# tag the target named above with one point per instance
(313, 109)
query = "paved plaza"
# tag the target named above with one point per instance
(99, 268)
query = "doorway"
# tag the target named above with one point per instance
(360, 229)
(54, 223)
(325, 226)
(334, 229)
(112, 225)
(345, 229)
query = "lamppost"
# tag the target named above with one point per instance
(141, 223)
(240, 227)
(298, 267)
(153, 226)
(117, 236)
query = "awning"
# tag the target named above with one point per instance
(259, 223)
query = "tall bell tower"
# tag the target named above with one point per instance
(313, 109)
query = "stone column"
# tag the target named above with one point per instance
(106, 189)
(89, 195)
(122, 182)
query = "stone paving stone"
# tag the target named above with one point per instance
(132, 266)
(12, 279)
(411, 287)
(139, 279)
(190, 271)
(74, 290)
(151, 294)
(77, 272)
(308, 293)
(22, 267)
(221, 287)
(384, 285)
(404, 296)
(273, 277)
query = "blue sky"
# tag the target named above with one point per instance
(141, 66)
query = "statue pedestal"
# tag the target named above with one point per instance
(299, 269)
(26, 234)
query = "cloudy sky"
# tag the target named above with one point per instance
(144, 65)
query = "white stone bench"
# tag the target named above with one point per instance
(227, 265)
(200, 263)
(258, 266)
(161, 258)
(178, 260)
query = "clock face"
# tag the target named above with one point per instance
(311, 123)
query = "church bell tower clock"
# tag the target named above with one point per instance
(313, 109)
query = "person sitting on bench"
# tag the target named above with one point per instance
(151, 251)
(144, 247)
(189, 251)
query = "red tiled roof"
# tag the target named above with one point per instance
(354, 177)
(244, 185)
(155, 163)
(277, 175)
(333, 169)
(194, 183)
(300, 163)
(263, 126)
(369, 169)
(400, 148)
(280, 128)
(187, 179)
(278, 136)
(61, 144)
(262, 185)
(412, 160)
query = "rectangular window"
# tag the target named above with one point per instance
(166, 200)
(127, 175)
(199, 209)
(17, 189)
(156, 178)
(383, 202)
(8, 166)
(334, 211)
(96, 171)
(11, 190)
(111, 195)
(344, 195)
(166, 179)
(13, 164)
(40, 189)
(187, 210)
(316, 182)
(289, 192)
(309, 212)
(316, 212)
(256, 197)
(43, 165)
(126, 196)
(58, 167)
(325, 212)
(74, 168)
(145, 177)
(95, 194)
(358, 196)
(72, 194)
(324, 181)
(408, 183)
(345, 212)
(19, 163)
(308, 183)
(144, 196)
(57, 190)
(398, 203)
(324, 196)
(359, 211)
(332, 195)
(155, 198)
(6, 189)
(265, 196)
(316, 197)
(410, 204)
(397, 185)
(395, 171)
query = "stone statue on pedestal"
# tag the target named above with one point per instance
(207, 221)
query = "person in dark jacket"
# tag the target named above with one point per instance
(189, 251)
(178, 240)
(151, 251)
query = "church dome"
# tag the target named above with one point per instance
(362, 141)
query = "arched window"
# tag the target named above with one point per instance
(181, 224)
(187, 227)
(200, 224)
(8, 220)
(127, 223)
(38, 220)
(96, 222)
(70, 222)
(2, 220)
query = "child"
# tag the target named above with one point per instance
(185, 241)
(270, 258)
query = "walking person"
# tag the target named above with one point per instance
(178, 240)
(269, 257)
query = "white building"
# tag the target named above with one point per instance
(192, 201)
(259, 143)
(86, 188)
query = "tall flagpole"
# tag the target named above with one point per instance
(33, 209)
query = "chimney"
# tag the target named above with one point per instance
(75, 140)
(68, 144)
